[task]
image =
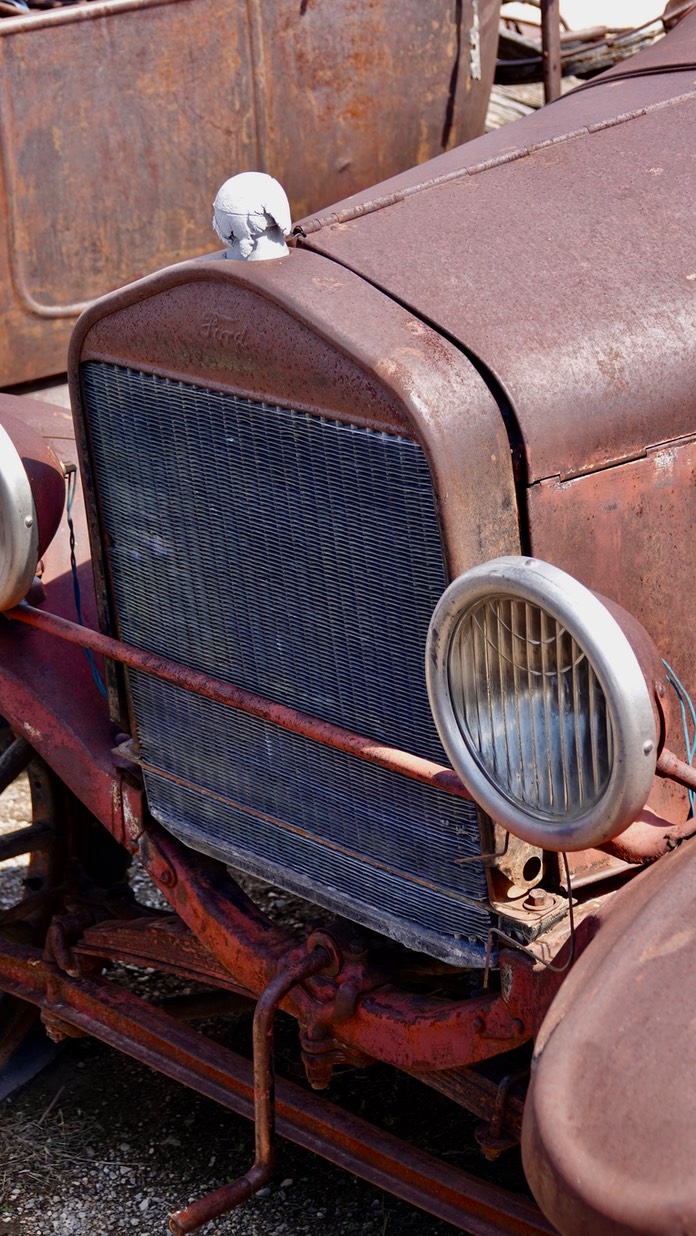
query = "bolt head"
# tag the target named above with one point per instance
(537, 899)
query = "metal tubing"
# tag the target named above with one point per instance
(63, 16)
(398, 1027)
(261, 1170)
(669, 765)
(26, 841)
(14, 761)
(425, 771)
(551, 48)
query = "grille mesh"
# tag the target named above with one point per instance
(300, 558)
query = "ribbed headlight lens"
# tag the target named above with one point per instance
(541, 704)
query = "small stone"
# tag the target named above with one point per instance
(263, 1192)
(285, 1184)
(144, 1205)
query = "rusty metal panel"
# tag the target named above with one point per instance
(624, 532)
(111, 153)
(589, 326)
(120, 119)
(351, 94)
(658, 74)
(608, 1132)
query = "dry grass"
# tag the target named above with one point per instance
(34, 1149)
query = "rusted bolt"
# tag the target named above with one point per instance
(479, 1023)
(323, 939)
(57, 1029)
(537, 899)
(167, 877)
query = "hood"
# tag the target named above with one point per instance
(559, 253)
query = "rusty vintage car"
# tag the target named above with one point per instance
(376, 585)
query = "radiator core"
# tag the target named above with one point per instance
(300, 558)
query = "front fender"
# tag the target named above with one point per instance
(609, 1136)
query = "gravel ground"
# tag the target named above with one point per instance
(99, 1144)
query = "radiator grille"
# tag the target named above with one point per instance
(300, 558)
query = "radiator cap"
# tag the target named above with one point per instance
(251, 214)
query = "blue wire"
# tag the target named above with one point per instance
(684, 701)
(72, 487)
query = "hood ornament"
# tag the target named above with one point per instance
(251, 214)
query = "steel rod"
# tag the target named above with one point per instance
(670, 766)
(551, 48)
(13, 761)
(26, 841)
(231, 1195)
(426, 771)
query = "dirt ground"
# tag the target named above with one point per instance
(100, 1144)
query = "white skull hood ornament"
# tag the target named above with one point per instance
(251, 214)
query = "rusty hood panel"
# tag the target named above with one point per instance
(609, 1137)
(560, 252)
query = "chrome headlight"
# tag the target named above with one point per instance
(32, 491)
(541, 703)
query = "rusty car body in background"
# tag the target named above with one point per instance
(120, 118)
(300, 478)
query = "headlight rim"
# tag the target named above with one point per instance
(18, 511)
(614, 660)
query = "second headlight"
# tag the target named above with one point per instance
(541, 703)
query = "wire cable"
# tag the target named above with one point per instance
(71, 481)
(685, 702)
